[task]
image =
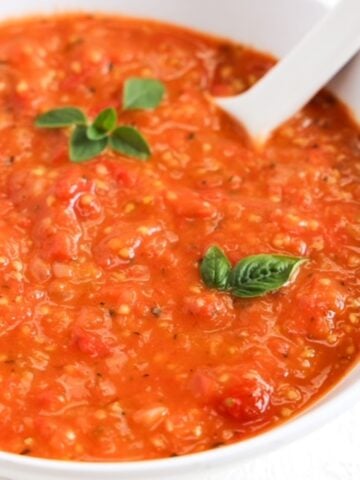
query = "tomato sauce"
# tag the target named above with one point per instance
(111, 347)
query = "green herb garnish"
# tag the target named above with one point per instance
(61, 117)
(129, 141)
(82, 148)
(142, 93)
(89, 139)
(103, 124)
(252, 277)
(215, 269)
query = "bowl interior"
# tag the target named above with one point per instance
(274, 26)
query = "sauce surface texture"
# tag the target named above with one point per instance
(111, 347)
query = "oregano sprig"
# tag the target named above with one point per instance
(142, 93)
(90, 138)
(61, 117)
(103, 124)
(251, 277)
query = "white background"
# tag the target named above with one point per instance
(330, 453)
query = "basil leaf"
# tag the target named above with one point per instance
(215, 268)
(61, 117)
(257, 275)
(129, 141)
(103, 124)
(82, 148)
(142, 93)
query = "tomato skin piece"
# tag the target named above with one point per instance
(208, 305)
(59, 246)
(118, 295)
(190, 205)
(118, 248)
(238, 392)
(91, 332)
(70, 183)
(320, 302)
(57, 234)
(49, 400)
(24, 188)
(88, 207)
(222, 90)
(210, 309)
(204, 385)
(40, 270)
(90, 343)
(124, 175)
(247, 401)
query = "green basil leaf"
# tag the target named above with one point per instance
(257, 275)
(142, 93)
(61, 117)
(215, 269)
(103, 124)
(82, 148)
(129, 141)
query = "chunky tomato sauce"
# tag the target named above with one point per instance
(111, 347)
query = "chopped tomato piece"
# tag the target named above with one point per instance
(248, 400)
(241, 392)
(91, 333)
(190, 205)
(209, 309)
(319, 301)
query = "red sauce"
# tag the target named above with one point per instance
(111, 347)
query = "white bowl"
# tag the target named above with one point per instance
(270, 25)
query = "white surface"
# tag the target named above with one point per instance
(288, 86)
(330, 454)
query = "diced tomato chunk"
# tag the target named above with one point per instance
(188, 204)
(70, 182)
(247, 400)
(91, 333)
(222, 90)
(88, 207)
(119, 247)
(241, 393)
(90, 343)
(210, 309)
(207, 305)
(57, 234)
(314, 310)
(59, 246)
(40, 270)
(204, 384)
(124, 175)
(24, 187)
(118, 295)
(50, 399)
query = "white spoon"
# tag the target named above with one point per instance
(300, 75)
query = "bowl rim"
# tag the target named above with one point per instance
(308, 420)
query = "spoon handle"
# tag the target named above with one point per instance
(301, 74)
